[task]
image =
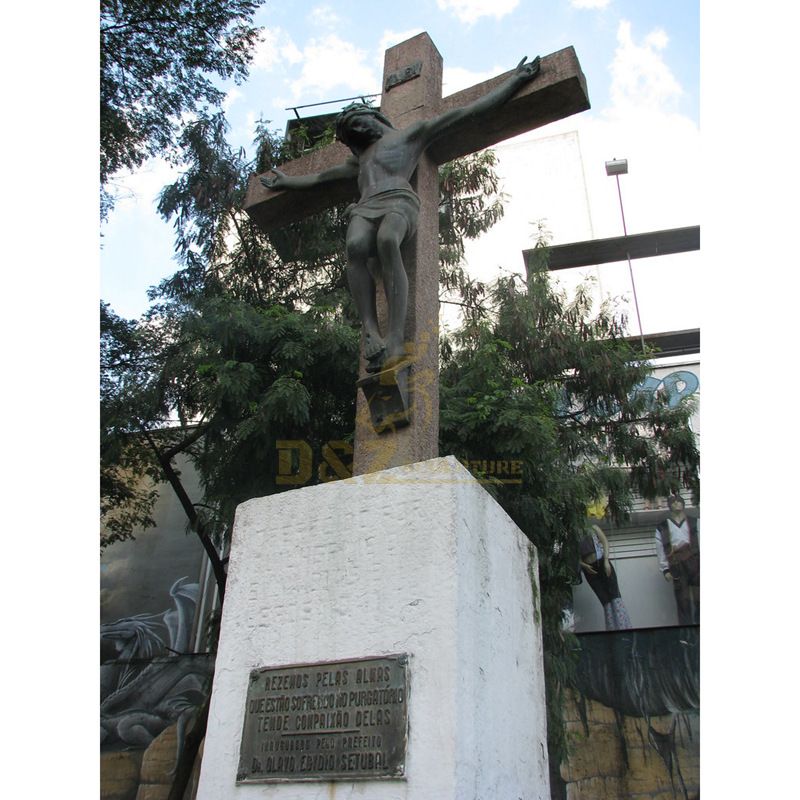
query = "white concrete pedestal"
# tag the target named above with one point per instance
(419, 560)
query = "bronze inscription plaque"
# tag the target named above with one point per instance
(337, 720)
(402, 75)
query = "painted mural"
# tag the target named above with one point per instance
(634, 719)
(151, 680)
(155, 599)
(644, 573)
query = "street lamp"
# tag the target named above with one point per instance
(615, 168)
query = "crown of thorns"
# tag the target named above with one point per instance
(355, 110)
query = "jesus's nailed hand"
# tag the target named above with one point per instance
(530, 70)
(275, 182)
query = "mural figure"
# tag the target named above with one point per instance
(595, 564)
(383, 160)
(678, 547)
(154, 680)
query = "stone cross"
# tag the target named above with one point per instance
(412, 91)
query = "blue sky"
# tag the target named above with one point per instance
(641, 60)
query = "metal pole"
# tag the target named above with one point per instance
(630, 266)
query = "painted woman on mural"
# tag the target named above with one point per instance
(596, 567)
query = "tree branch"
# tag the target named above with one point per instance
(198, 432)
(463, 305)
(189, 509)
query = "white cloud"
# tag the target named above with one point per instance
(657, 38)
(640, 77)
(331, 62)
(470, 11)
(323, 17)
(275, 46)
(137, 191)
(589, 3)
(230, 98)
(290, 52)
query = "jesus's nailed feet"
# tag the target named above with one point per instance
(374, 352)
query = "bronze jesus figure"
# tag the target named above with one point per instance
(383, 160)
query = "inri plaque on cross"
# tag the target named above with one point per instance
(400, 391)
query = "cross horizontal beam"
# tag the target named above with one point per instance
(558, 91)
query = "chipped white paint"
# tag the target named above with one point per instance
(418, 559)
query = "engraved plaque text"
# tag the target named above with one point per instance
(337, 720)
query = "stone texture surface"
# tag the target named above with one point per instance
(159, 758)
(417, 559)
(119, 774)
(613, 762)
(157, 765)
(599, 754)
(419, 441)
(152, 791)
(558, 92)
(597, 789)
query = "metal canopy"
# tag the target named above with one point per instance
(671, 343)
(618, 248)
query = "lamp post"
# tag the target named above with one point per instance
(617, 167)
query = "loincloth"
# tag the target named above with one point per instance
(398, 201)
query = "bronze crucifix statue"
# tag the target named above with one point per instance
(383, 160)
(419, 128)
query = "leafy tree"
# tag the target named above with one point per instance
(551, 383)
(157, 61)
(470, 202)
(248, 342)
(128, 487)
(234, 356)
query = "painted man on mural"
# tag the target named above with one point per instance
(678, 546)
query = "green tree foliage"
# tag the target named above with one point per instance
(157, 62)
(551, 383)
(128, 485)
(253, 340)
(235, 355)
(470, 202)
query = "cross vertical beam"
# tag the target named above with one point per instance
(404, 103)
